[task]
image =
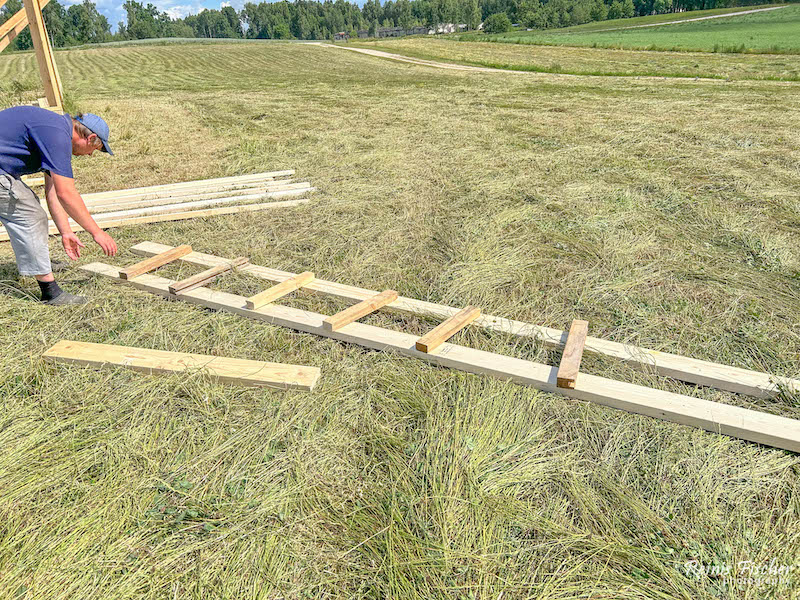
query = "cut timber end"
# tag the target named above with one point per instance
(228, 370)
(444, 331)
(206, 276)
(280, 290)
(573, 352)
(362, 309)
(159, 260)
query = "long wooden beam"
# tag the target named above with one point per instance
(692, 370)
(725, 419)
(228, 370)
(176, 216)
(44, 54)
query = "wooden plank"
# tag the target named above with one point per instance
(444, 331)
(726, 419)
(44, 53)
(156, 198)
(176, 216)
(240, 179)
(205, 277)
(159, 260)
(280, 290)
(573, 352)
(362, 309)
(228, 370)
(692, 370)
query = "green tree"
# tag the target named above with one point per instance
(497, 23)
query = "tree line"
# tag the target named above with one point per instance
(314, 20)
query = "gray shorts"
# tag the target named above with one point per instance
(26, 224)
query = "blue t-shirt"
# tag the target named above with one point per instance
(34, 139)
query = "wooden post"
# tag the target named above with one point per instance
(44, 54)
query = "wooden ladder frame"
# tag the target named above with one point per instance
(31, 15)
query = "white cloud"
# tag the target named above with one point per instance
(224, 4)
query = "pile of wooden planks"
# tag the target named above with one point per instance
(746, 424)
(191, 199)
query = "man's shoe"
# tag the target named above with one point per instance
(65, 298)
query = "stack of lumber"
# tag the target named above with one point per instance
(191, 199)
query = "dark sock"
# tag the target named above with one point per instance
(49, 289)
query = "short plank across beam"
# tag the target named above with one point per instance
(573, 352)
(159, 260)
(280, 290)
(206, 277)
(362, 309)
(447, 329)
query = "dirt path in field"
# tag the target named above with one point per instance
(418, 61)
(678, 22)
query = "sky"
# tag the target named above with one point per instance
(113, 11)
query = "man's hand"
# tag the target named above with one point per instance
(72, 245)
(106, 242)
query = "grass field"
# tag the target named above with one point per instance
(593, 61)
(776, 31)
(663, 211)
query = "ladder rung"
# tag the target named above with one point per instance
(573, 352)
(355, 312)
(279, 290)
(159, 260)
(205, 277)
(447, 329)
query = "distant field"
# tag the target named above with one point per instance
(663, 211)
(595, 61)
(775, 31)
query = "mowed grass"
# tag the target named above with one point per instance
(595, 61)
(774, 31)
(664, 212)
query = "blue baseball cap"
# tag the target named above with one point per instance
(97, 126)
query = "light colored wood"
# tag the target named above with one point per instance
(44, 53)
(280, 290)
(240, 179)
(444, 331)
(33, 181)
(692, 370)
(573, 352)
(176, 216)
(362, 309)
(726, 419)
(205, 277)
(228, 370)
(2, 3)
(154, 199)
(179, 206)
(159, 260)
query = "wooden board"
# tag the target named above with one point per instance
(444, 331)
(14, 25)
(205, 183)
(280, 290)
(159, 260)
(229, 370)
(176, 216)
(205, 277)
(44, 53)
(362, 309)
(573, 352)
(729, 420)
(692, 370)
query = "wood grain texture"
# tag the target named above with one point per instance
(175, 216)
(159, 260)
(751, 425)
(280, 290)
(444, 331)
(692, 370)
(229, 370)
(573, 353)
(362, 309)
(205, 277)
(44, 53)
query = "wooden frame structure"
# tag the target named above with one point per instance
(31, 16)
(716, 417)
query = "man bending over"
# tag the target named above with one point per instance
(34, 139)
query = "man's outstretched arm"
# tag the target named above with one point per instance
(70, 201)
